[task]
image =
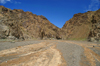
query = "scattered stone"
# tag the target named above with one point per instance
(93, 46)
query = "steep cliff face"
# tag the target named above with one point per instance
(80, 26)
(17, 24)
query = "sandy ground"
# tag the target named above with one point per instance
(49, 53)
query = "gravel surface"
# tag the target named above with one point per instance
(95, 50)
(97, 63)
(71, 53)
(8, 45)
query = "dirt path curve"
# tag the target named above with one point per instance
(40, 54)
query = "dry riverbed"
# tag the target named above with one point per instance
(49, 53)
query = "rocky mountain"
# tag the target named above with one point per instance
(17, 24)
(83, 26)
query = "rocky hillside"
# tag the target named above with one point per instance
(83, 26)
(17, 24)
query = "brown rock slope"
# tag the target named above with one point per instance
(83, 26)
(17, 24)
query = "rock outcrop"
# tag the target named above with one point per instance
(83, 26)
(17, 24)
(94, 34)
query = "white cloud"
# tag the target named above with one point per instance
(8, 0)
(17, 2)
(4, 1)
(93, 5)
(11, 1)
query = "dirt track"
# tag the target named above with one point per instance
(49, 53)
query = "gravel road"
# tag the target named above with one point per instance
(71, 53)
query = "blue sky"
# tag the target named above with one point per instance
(56, 11)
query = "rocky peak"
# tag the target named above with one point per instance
(18, 10)
(77, 15)
(43, 17)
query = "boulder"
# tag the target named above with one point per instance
(4, 31)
